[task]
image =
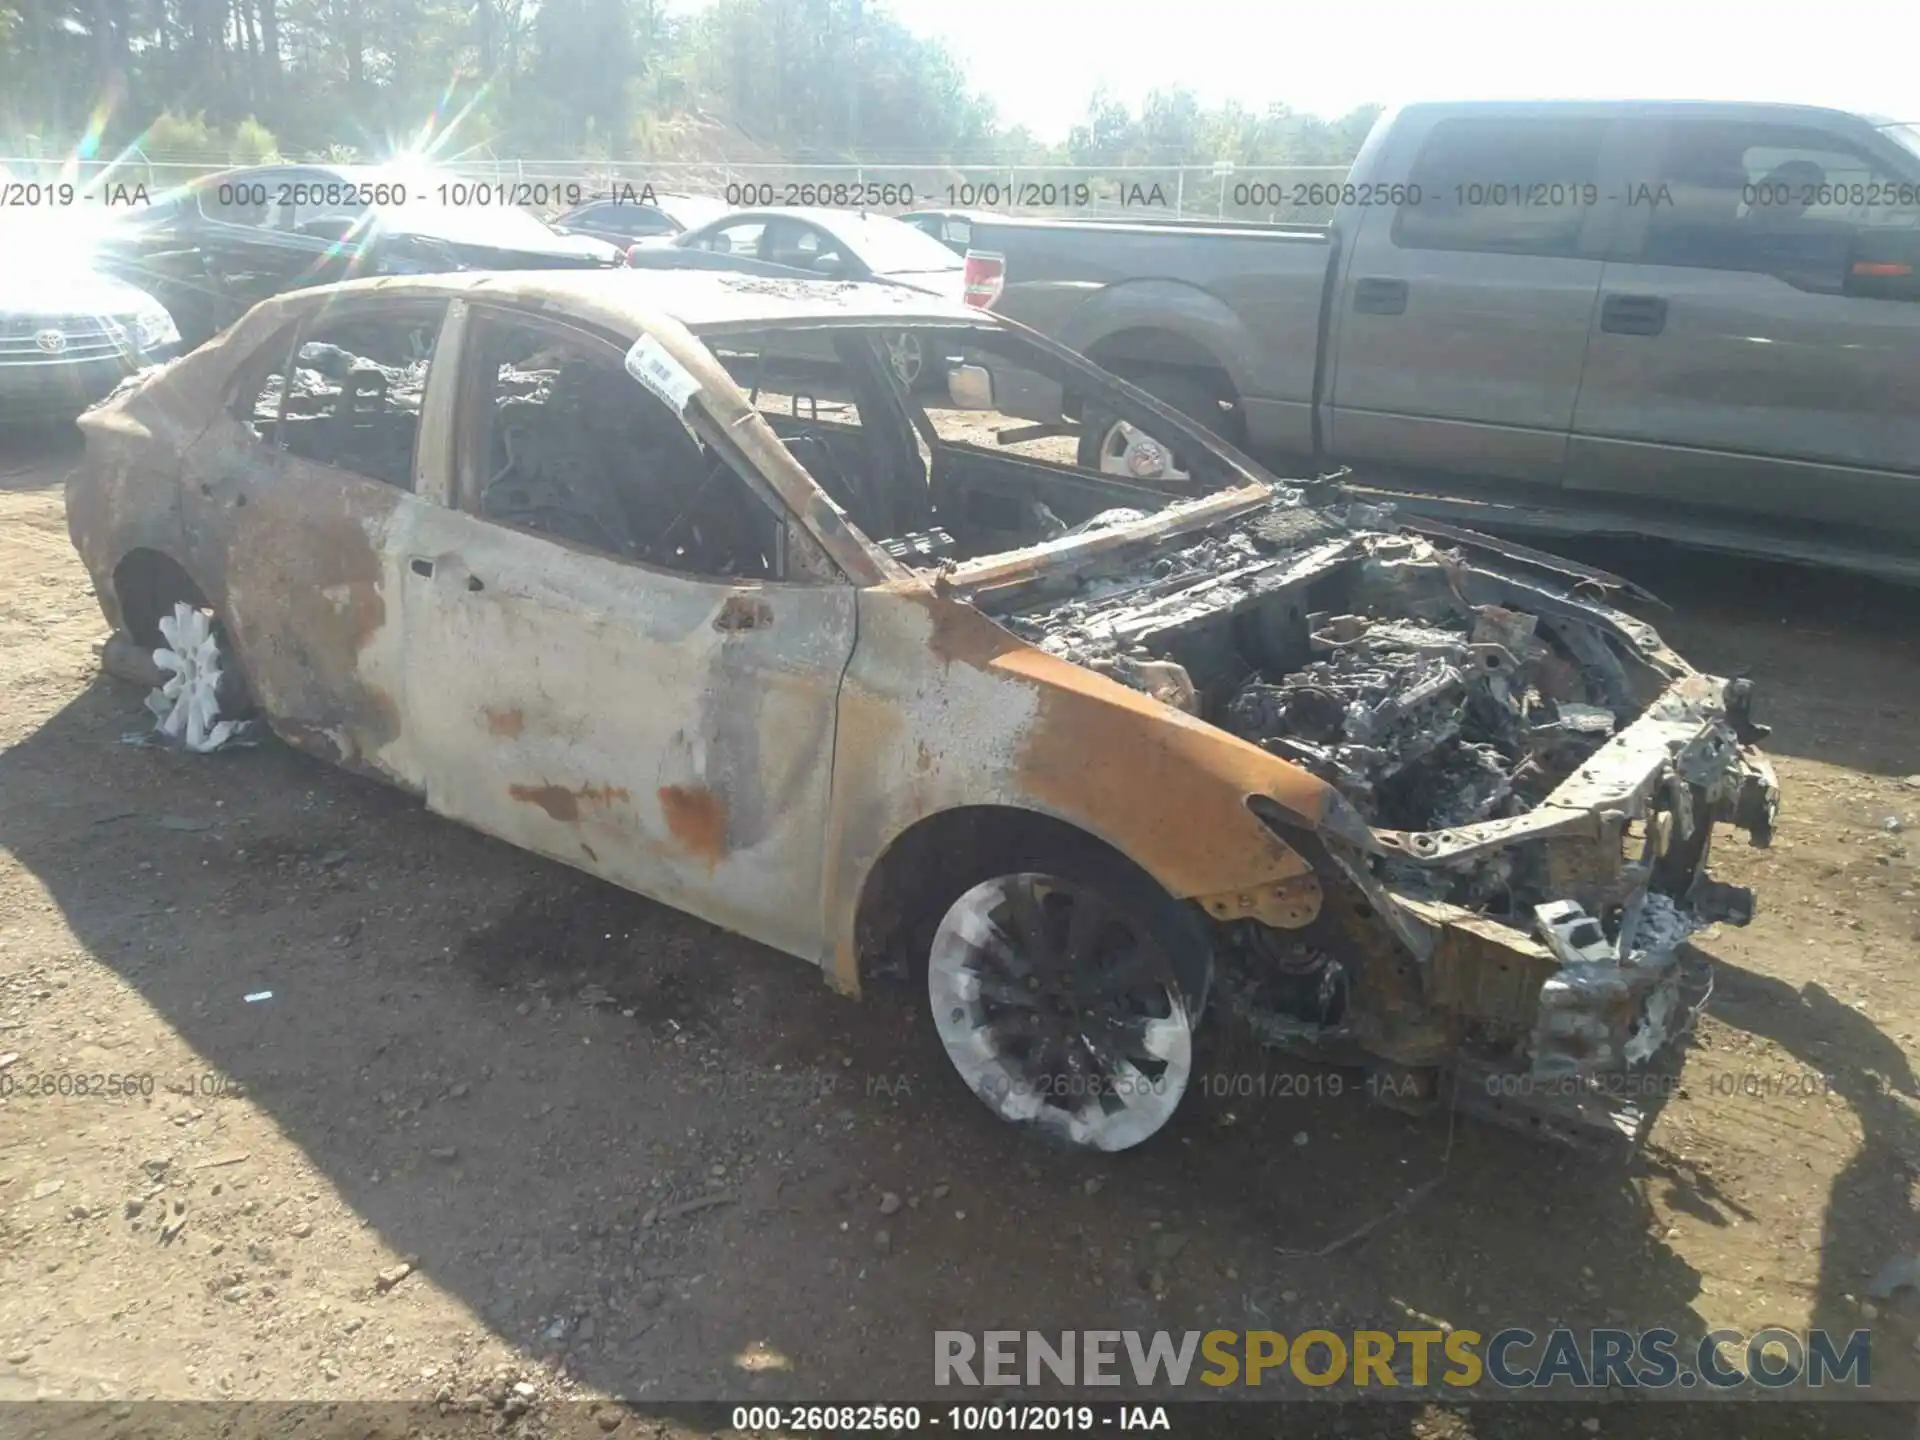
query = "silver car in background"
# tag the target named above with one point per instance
(69, 333)
(819, 243)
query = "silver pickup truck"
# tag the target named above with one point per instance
(1690, 319)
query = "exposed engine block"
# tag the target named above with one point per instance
(1425, 727)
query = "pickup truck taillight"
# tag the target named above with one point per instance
(985, 276)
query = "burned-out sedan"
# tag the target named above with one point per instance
(666, 575)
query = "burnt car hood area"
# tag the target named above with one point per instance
(1089, 760)
(1523, 781)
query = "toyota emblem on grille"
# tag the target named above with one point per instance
(51, 341)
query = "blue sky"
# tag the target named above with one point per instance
(1039, 59)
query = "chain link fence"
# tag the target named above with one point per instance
(1222, 191)
(1299, 193)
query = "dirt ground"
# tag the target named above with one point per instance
(507, 1076)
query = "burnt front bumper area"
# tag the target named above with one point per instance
(1567, 1019)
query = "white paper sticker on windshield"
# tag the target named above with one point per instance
(650, 364)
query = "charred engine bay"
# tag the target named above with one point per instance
(1431, 692)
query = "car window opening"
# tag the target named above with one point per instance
(926, 481)
(576, 450)
(354, 400)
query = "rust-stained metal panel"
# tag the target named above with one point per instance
(594, 711)
(1487, 970)
(309, 601)
(942, 708)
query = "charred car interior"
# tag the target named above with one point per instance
(570, 455)
(1388, 793)
(354, 397)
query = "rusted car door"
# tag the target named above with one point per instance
(307, 486)
(603, 663)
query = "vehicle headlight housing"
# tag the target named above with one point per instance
(153, 327)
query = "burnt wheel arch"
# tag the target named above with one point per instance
(147, 584)
(939, 858)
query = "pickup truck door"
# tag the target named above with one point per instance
(1461, 316)
(1738, 360)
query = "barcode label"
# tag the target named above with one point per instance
(650, 364)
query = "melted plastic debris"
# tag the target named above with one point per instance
(186, 709)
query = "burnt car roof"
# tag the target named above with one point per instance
(704, 301)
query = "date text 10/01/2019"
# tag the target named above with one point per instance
(983, 195)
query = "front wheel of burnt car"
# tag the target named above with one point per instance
(1067, 998)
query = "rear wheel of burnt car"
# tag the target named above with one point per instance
(201, 701)
(1118, 447)
(1068, 1002)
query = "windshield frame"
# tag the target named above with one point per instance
(1241, 487)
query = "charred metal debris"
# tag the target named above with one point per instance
(1530, 777)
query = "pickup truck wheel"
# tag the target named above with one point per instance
(1069, 1003)
(1115, 447)
(907, 357)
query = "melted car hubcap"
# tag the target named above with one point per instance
(1056, 1008)
(186, 707)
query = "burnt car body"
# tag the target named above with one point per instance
(213, 248)
(617, 568)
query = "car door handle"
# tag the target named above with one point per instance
(425, 568)
(1374, 296)
(1633, 314)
